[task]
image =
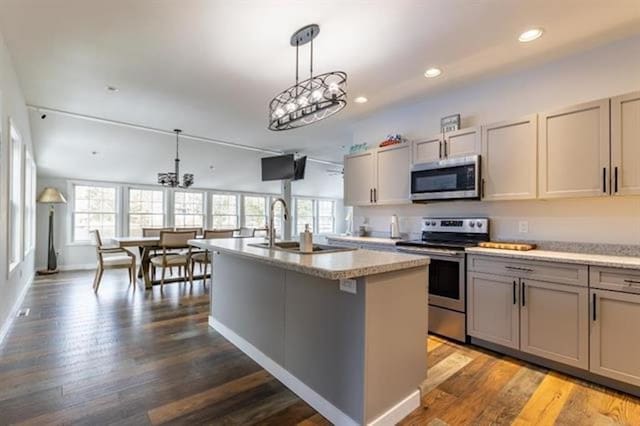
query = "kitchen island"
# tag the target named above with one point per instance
(345, 330)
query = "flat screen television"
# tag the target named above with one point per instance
(299, 167)
(279, 167)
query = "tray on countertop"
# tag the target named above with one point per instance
(507, 246)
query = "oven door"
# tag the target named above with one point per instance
(446, 277)
(456, 178)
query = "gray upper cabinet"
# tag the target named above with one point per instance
(509, 159)
(554, 322)
(625, 144)
(378, 176)
(574, 151)
(615, 335)
(359, 178)
(428, 150)
(462, 142)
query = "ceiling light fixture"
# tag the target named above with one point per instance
(171, 179)
(530, 35)
(311, 100)
(360, 100)
(432, 72)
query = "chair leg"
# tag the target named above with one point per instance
(190, 272)
(98, 278)
(204, 276)
(162, 278)
(133, 276)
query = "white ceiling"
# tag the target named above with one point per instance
(210, 67)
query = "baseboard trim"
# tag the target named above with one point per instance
(311, 397)
(398, 411)
(80, 267)
(4, 330)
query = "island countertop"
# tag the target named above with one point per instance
(332, 266)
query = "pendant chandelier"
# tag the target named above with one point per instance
(171, 179)
(310, 100)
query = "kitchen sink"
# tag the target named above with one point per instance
(294, 247)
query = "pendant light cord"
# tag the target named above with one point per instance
(311, 61)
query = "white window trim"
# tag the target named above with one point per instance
(15, 134)
(210, 206)
(29, 216)
(125, 204)
(71, 203)
(266, 198)
(205, 204)
(316, 213)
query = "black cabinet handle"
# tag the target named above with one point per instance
(440, 149)
(482, 189)
(615, 179)
(604, 180)
(446, 154)
(524, 292)
(514, 292)
(594, 307)
(375, 195)
(371, 195)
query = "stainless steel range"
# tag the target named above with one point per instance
(444, 241)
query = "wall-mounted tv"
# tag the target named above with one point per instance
(283, 167)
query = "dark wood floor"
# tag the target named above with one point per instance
(150, 358)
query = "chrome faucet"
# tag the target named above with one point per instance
(271, 232)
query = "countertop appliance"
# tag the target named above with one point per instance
(449, 179)
(444, 241)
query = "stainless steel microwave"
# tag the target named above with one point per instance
(450, 179)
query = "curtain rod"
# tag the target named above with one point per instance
(169, 132)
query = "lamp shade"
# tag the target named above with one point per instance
(51, 195)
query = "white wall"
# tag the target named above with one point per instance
(12, 104)
(606, 71)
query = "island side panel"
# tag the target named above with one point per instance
(324, 344)
(396, 338)
(248, 298)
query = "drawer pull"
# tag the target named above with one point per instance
(524, 293)
(515, 268)
(632, 282)
(514, 292)
(594, 307)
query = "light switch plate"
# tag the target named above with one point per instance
(349, 286)
(523, 227)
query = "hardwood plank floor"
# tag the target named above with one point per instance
(128, 358)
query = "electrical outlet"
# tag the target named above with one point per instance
(523, 227)
(349, 286)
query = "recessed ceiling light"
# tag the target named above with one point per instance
(360, 100)
(112, 89)
(530, 35)
(432, 72)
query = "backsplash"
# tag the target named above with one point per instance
(597, 221)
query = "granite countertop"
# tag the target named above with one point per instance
(626, 262)
(363, 240)
(332, 266)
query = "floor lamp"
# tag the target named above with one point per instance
(52, 197)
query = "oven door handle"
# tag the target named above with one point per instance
(447, 253)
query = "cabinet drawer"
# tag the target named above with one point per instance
(563, 273)
(341, 243)
(378, 247)
(615, 279)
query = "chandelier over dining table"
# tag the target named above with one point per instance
(172, 179)
(310, 100)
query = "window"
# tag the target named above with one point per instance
(304, 214)
(224, 211)
(15, 198)
(94, 208)
(326, 216)
(188, 209)
(146, 210)
(255, 212)
(29, 203)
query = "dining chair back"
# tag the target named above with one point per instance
(197, 229)
(176, 239)
(218, 233)
(170, 240)
(246, 232)
(154, 232)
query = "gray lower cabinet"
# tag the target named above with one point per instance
(615, 335)
(492, 309)
(554, 322)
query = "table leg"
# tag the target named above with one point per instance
(140, 271)
(145, 268)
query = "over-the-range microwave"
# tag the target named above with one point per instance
(450, 179)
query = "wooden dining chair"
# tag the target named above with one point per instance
(203, 258)
(112, 258)
(155, 233)
(197, 229)
(173, 240)
(246, 232)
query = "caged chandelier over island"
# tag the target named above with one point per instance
(172, 179)
(310, 100)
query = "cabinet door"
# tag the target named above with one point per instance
(625, 144)
(574, 151)
(509, 159)
(428, 150)
(359, 172)
(554, 322)
(493, 309)
(615, 335)
(393, 179)
(462, 142)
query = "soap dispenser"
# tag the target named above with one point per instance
(306, 240)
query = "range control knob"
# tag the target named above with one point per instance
(427, 223)
(433, 223)
(473, 224)
(479, 224)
